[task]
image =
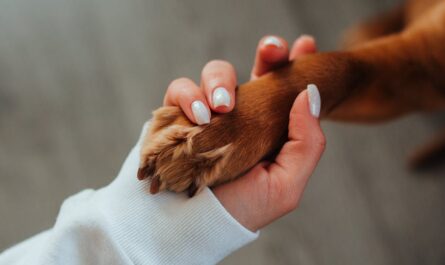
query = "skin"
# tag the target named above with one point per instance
(270, 189)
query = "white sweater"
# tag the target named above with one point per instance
(123, 224)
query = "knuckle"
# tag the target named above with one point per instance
(218, 68)
(179, 82)
(219, 78)
(319, 141)
(179, 90)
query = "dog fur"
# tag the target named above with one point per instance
(391, 65)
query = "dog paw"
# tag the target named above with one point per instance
(177, 156)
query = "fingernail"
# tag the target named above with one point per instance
(314, 100)
(221, 97)
(202, 115)
(273, 41)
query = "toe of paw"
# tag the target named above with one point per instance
(145, 172)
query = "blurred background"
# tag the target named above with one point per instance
(78, 78)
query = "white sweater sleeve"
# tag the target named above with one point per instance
(123, 224)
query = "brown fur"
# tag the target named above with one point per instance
(392, 65)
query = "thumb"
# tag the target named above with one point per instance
(267, 192)
(300, 155)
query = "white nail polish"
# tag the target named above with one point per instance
(202, 115)
(274, 41)
(221, 97)
(314, 100)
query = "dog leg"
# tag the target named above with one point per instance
(381, 25)
(373, 82)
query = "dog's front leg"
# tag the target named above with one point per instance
(374, 82)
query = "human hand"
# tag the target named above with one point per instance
(269, 190)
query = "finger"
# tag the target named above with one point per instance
(302, 46)
(185, 94)
(272, 52)
(218, 78)
(300, 155)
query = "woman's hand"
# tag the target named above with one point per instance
(269, 190)
(218, 79)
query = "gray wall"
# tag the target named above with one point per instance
(79, 77)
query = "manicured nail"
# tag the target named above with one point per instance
(221, 97)
(314, 100)
(273, 41)
(202, 115)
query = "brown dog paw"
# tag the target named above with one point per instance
(173, 160)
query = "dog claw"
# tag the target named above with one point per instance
(145, 172)
(141, 174)
(192, 190)
(154, 186)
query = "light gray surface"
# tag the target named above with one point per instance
(79, 78)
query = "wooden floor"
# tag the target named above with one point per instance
(79, 78)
